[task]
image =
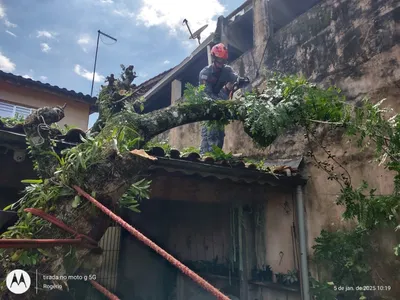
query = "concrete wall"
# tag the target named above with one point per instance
(76, 113)
(354, 45)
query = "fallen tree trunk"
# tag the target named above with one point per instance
(108, 178)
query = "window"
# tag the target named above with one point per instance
(8, 110)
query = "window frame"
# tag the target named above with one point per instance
(15, 108)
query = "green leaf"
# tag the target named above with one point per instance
(8, 207)
(81, 160)
(76, 201)
(32, 181)
(134, 208)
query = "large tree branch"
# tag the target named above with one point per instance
(152, 124)
(37, 130)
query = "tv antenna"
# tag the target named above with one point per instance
(97, 49)
(196, 34)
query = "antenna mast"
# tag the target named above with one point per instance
(95, 58)
(196, 34)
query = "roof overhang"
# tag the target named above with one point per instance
(179, 68)
(245, 175)
(49, 89)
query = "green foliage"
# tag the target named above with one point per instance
(135, 194)
(64, 129)
(291, 277)
(345, 255)
(75, 161)
(322, 290)
(286, 102)
(40, 195)
(370, 210)
(218, 154)
(11, 122)
(193, 94)
(28, 259)
(136, 106)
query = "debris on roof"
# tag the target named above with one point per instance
(285, 172)
(27, 82)
(281, 172)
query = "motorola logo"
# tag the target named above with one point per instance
(18, 281)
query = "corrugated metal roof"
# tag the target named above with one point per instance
(27, 82)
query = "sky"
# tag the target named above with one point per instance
(54, 41)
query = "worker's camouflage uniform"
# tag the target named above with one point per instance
(214, 81)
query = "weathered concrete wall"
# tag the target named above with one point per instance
(354, 45)
(76, 113)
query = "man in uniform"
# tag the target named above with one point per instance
(218, 79)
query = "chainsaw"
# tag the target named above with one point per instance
(241, 82)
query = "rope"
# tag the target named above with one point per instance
(185, 270)
(104, 291)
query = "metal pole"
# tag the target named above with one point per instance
(95, 61)
(303, 245)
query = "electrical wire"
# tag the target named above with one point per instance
(105, 42)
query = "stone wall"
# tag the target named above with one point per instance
(353, 44)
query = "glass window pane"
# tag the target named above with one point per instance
(6, 110)
(22, 111)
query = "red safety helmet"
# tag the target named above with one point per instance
(220, 51)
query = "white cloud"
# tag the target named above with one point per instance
(11, 33)
(88, 75)
(3, 15)
(84, 41)
(124, 13)
(171, 14)
(9, 24)
(2, 11)
(142, 75)
(6, 64)
(27, 76)
(45, 47)
(190, 45)
(166, 62)
(46, 34)
(107, 1)
(43, 78)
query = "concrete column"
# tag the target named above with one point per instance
(176, 90)
(261, 28)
